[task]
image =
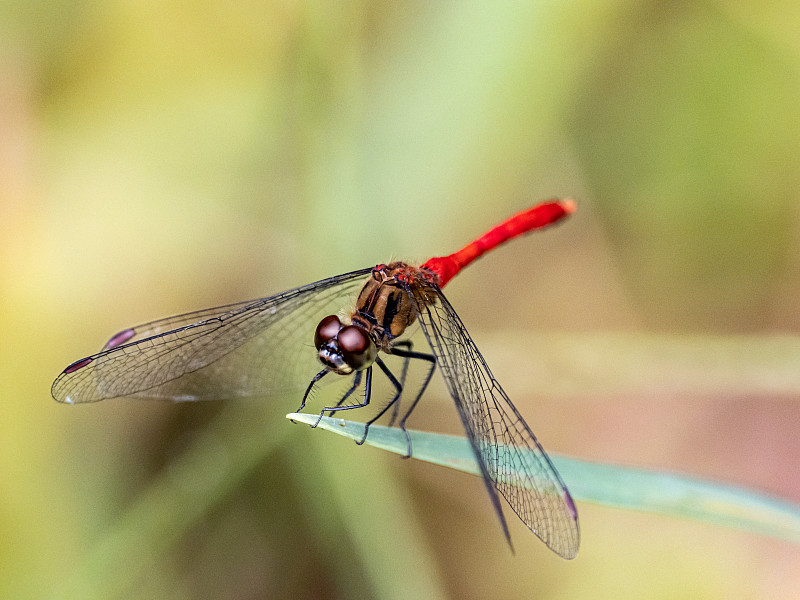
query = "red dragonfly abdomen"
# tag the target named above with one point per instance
(536, 217)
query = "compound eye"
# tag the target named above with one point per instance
(326, 330)
(356, 346)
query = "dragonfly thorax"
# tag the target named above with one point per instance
(384, 306)
(383, 311)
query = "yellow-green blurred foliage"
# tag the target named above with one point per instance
(159, 157)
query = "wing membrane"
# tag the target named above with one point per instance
(511, 459)
(253, 348)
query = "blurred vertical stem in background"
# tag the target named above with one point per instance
(688, 133)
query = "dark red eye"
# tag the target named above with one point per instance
(353, 339)
(326, 330)
(357, 349)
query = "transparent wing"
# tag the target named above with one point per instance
(511, 459)
(254, 348)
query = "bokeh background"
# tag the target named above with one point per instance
(159, 157)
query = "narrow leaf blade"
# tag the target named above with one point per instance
(645, 490)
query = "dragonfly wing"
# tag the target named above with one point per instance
(153, 328)
(247, 349)
(511, 459)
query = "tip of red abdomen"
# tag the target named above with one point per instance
(568, 205)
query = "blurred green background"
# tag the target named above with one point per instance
(160, 157)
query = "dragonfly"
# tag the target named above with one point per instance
(262, 348)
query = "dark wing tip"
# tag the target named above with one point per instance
(120, 338)
(59, 389)
(568, 543)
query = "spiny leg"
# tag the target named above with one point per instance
(408, 346)
(353, 388)
(407, 354)
(398, 386)
(314, 380)
(367, 394)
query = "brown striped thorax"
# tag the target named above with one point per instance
(383, 311)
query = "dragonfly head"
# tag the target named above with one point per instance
(344, 348)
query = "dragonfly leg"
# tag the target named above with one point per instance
(397, 386)
(367, 394)
(408, 354)
(408, 346)
(314, 380)
(353, 388)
